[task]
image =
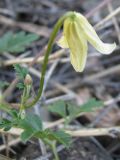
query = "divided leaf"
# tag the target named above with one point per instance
(71, 110)
(59, 108)
(27, 134)
(59, 136)
(14, 113)
(31, 125)
(21, 72)
(16, 42)
(62, 137)
(20, 85)
(5, 123)
(91, 105)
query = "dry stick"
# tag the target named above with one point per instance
(65, 97)
(13, 142)
(103, 73)
(110, 8)
(56, 55)
(93, 77)
(107, 18)
(31, 69)
(6, 11)
(63, 88)
(110, 131)
(42, 31)
(5, 143)
(101, 5)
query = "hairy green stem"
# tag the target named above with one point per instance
(52, 145)
(54, 149)
(48, 51)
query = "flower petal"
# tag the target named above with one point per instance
(77, 44)
(62, 42)
(92, 36)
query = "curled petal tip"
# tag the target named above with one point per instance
(76, 32)
(105, 48)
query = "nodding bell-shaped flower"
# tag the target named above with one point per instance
(76, 32)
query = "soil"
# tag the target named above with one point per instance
(84, 149)
(81, 149)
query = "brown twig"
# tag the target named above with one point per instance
(107, 18)
(110, 8)
(110, 131)
(99, 6)
(31, 59)
(42, 31)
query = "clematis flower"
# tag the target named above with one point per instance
(77, 31)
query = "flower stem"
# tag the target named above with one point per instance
(47, 53)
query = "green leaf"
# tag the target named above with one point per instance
(3, 84)
(91, 105)
(62, 137)
(27, 134)
(21, 72)
(59, 136)
(73, 112)
(6, 124)
(32, 121)
(4, 42)
(5, 107)
(31, 125)
(70, 111)
(59, 108)
(16, 42)
(21, 85)
(14, 113)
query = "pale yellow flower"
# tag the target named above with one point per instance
(76, 32)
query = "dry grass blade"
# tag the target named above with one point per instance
(104, 20)
(42, 31)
